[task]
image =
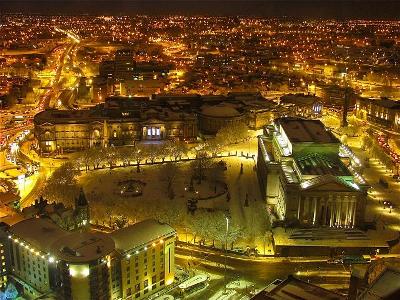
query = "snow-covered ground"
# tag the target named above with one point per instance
(101, 188)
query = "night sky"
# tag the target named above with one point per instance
(340, 9)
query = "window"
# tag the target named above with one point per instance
(153, 279)
(158, 131)
(137, 287)
(149, 131)
(128, 292)
(146, 283)
(153, 131)
(137, 295)
(153, 287)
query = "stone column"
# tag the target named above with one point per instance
(332, 208)
(325, 212)
(299, 208)
(315, 209)
(353, 221)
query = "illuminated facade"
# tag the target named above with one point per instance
(303, 178)
(135, 261)
(383, 112)
(144, 261)
(117, 122)
(301, 105)
(125, 120)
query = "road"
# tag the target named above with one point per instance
(261, 273)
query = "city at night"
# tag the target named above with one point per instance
(199, 149)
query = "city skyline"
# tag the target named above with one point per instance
(194, 150)
(343, 9)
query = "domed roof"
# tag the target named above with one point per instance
(220, 110)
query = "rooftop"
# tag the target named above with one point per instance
(79, 247)
(319, 164)
(301, 131)
(140, 234)
(38, 232)
(296, 289)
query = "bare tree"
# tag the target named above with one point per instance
(168, 174)
(62, 185)
(233, 133)
(200, 165)
(137, 154)
(153, 152)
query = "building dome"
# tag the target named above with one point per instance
(213, 117)
(221, 110)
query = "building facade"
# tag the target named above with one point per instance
(117, 122)
(144, 259)
(125, 120)
(383, 112)
(303, 178)
(130, 263)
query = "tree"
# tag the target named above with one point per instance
(96, 157)
(168, 175)
(124, 155)
(85, 158)
(176, 150)
(214, 146)
(121, 222)
(153, 152)
(111, 154)
(200, 165)
(62, 185)
(137, 154)
(233, 133)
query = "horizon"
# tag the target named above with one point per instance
(301, 9)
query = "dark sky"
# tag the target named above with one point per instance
(341, 9)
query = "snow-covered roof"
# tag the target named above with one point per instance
(220, 110)
(80, 247)
(38, 232)
(140, 234)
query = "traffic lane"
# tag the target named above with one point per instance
(259, 272)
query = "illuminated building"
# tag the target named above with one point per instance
(214, 117)
(136, 260)
(126, 77)
(144, 259)
(4, 264)
(303, 178)
(117, 122)
(302, 105)
(384, 112)
(67, 218)
(124, 120)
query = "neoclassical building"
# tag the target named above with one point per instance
(303, 178)
(124, 120)
(116, 122)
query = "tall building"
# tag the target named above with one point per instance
(124, 64)
(303, 178)
(144, 260)
(135, 261)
